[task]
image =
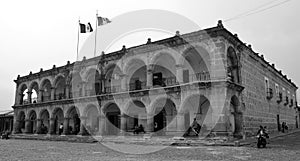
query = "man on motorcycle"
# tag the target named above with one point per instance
(262, 136)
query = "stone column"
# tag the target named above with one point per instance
(16, 129)
(180, 123)
(52, 94)
(102, 84)
(38, 126)
(150, 123)
(27, 126)
(67, 91)
(29, 93)
(82, 126)
(179, 73)
(101, 128)
(40, 95)
(83, 87)
(52, 126)
(123, 82)
(66, 126)
(123, 124)
(149, 76)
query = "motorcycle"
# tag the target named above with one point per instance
(262, 140)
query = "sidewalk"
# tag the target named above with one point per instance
(150, 140)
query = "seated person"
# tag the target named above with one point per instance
(139, 129)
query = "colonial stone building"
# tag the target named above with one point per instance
(6, 121)
(208, 75)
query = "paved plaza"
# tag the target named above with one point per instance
(280, 148)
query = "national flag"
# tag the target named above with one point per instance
(103, 21)
(85, 28)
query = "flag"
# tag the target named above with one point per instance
(85, 28)
(103, 21)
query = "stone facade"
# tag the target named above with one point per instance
(207, 75)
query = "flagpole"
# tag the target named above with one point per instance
(96, 34)
(78, 38)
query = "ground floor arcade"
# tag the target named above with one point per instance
(167, 114)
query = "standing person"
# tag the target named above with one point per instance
(60, 129)
(283, 127)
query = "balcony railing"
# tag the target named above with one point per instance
(203, 76)
(60, 96)
(137, 86)
(164, 82)
(112, 89)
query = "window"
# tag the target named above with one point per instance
(277, 90)
(266, 84)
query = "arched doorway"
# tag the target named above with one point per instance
(23, 94)
(135, 71)
(44, 122)
(46, 89)
(32, 122)
(136, 115)
(93, 86)
(196, 65)
(60, 88)
(112, 83)
(74, 121)
(165, 112)
(34, 89)
(235, 117)
(164, 70)
(21, 124)
(58, 116)
(112, 114)
(92, 121)
(197, 107)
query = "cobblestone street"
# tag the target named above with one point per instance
(280, 148)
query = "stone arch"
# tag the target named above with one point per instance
(22, 94)
(165, 112)
(235, 116)
(171, 53)
(74, 120)
(112, 82)
(76, 87)
(164, 71)
(31, 126)
(112, 113)
(93, 82)
(58, 116)
(46, 88)
(196, 64)
(136, 74)
(21, 122)
(60, 87)
(233, 65)
(136, 114)
(92, 119)
(34, 89)
(44, 117)
(156, 99)
(197, 107)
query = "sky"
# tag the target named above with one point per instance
(37, 34)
